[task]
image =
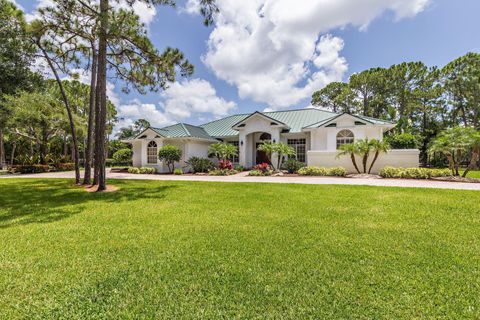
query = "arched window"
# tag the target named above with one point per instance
(152, 152)
(344, 137)
(265, 136)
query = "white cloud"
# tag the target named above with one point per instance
(145, 12)
(183, 99)
(189, 99)
(273, 51)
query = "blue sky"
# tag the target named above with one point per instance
(267, 54)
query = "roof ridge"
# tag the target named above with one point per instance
(302, 109)
(232, 115)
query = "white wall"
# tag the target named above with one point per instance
(324, 138)
(395, 158)
(253, 125)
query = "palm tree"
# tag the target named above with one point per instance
(283, 150)
(453, 143)
(269, 148)
(350, 149)
(475, 152)
(364, 148)
(378, 147)
(223, 151)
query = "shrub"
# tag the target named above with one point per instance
(142, 170)
(321, 171)
(312, 171)
(170, 154)
(293, 165)
(33, 168)
(402, 141)
(413, 173)
(221, 172)
(255, 173)
(262, 167)
(65, 166)
(200, 164)
(134, 170)
(225, 164)
(122, 157)
(239, 168)
(178, 172)
(109, 163)
(337, 172)
(148, 170)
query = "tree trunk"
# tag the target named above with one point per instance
(12, 155)
(91, 113)
(473, 162)
(2, 150)
(102, 95)
(364, 162)
(352, 156)
(69, 113)
(373, 161)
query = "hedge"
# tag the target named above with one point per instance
(414, 173)
(321, 171)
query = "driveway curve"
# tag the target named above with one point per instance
(242, 177)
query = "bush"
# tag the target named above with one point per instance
(292, 165)
(239, 168)
(123, 157)
(337, 172)
(413, 173)
(65, 166)
(170, 154)
(402, 141)
(134, 170)
(178, 172)
(262, 167)
(33, 168)
(142, 170)
(200, 164)
(109, 163)
(313, 171)
(321, 171)
(225, 164)
(255, 173)
(221, 172)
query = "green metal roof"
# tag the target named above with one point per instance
(364, 118)
(296, 120)
(183, 130)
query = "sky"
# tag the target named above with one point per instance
(263, 55)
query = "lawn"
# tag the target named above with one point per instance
(473, 174)
(223, 250)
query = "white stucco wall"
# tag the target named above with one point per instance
(248, 134)
(395, 158)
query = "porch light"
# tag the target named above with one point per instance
(273, 140)
(241, 143)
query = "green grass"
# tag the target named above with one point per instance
(222, 250)
(473, 174)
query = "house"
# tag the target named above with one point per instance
(315, 135)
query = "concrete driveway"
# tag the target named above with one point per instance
(242, 177)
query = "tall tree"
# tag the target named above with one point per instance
(462, 85)
(330, 97)
(16, 56)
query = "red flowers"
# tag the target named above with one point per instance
(263, 167)
(225, 164)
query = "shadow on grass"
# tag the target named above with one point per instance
(42, 201)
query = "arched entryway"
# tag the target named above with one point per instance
(261, 156)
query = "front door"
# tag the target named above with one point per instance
(261, 156)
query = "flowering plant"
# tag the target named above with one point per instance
(225, 164)
(263, 167)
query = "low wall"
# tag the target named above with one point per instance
(408, 158)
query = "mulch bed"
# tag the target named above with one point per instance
(457, 179)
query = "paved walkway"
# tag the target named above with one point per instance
(242, 177)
